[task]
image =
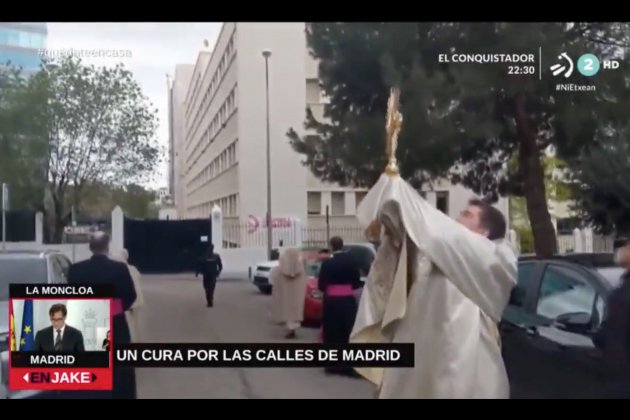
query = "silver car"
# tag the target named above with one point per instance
(24, 267)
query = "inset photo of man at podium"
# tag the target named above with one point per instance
(59, 336)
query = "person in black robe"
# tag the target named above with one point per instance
(339, 276)
(101, 270)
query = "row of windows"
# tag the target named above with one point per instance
(220, 118)
(202, 109)
(216, 79)
(20, 59)
(22, 39)
(221, 163)
(227, 204)
(337, 202)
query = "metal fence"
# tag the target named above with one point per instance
(20, 226)
(318, 237)
(246, 236)
(601, 243)
(81, 233)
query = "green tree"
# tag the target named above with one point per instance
(470, 117)
(601, 187)
(136, 201)
(558, 188)
(23, 138)
(99, 200)
(101, 129)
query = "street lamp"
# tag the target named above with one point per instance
(266, 54)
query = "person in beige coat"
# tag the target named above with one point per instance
(289, 289)
(133, 314)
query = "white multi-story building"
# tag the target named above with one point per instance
(224, 148)
(178, 87)
(223, 139)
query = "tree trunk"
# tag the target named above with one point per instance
(58, 219)
(545, 242)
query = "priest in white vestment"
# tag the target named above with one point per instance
(441, 284)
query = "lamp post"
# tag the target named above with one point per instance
(266, 54)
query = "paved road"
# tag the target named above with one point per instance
(176, 312)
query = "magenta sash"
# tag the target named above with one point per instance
(339, 290)
(117, 307)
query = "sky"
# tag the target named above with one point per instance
(149, 50)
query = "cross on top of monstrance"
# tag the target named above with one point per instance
(393, 125)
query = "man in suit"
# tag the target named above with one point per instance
(59, 337)
(100, 269)
(210, 266)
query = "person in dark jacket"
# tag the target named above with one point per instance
(210, 266)
(614, 335)
(100, 270)
(339, 276)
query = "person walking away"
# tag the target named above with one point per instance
(101, 270)
(339, 276)
(210, 267)
(135, 312)
(614, 334)
(289, 290)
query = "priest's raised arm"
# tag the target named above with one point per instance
(483, 270)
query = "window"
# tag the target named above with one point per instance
(564, 290)
(231, 155)
(314, 202)
(58, 275)
(441, 201)
(337, 204)
(359, 196)
(525, 277)
(312, 91)
(25, 39)
(4, 36)
(14, 38)
(566, 225)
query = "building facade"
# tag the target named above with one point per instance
(21, 44)
(178, 88)
(224, 146)
(223, 139)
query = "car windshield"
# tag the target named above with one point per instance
(312, 268)
(612, 275)
(20, 270)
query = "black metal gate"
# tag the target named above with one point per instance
(166, 246)
(20, 226)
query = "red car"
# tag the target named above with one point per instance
(314, 296)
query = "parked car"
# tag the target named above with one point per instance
(259, 274)
(548, 329)
(24, 267)
(364, 254)
(314, 296)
